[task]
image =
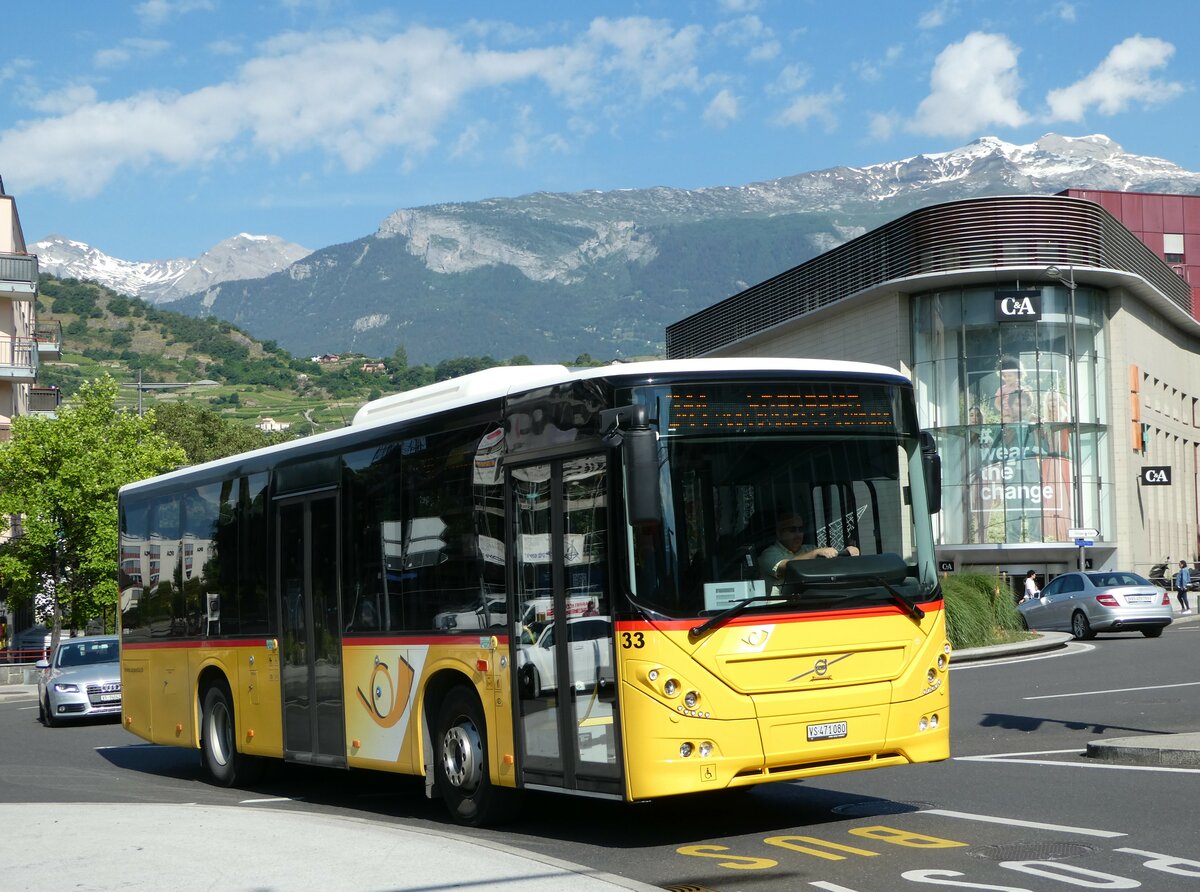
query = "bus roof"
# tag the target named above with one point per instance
(503, 381)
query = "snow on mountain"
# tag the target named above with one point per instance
(454, 238)
(243, 256)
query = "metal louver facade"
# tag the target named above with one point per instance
(998, 233)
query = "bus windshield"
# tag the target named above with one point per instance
(798, 497)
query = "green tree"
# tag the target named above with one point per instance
(60, 477)
(205, 435)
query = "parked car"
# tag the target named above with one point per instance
(1086, 603)
(82, 679)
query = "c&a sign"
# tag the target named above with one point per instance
(1023, 305)
(1156, 475)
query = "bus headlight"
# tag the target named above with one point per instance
(685, 749)
(653, 674)
(690, 699)
(671, 687)
(923, 724)
(706, 749)
(942, 662)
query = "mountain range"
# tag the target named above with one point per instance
(555, 275)
(244, 256)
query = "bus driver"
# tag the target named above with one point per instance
(789, 545)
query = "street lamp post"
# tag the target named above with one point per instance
(165, 385)
(1068, 282)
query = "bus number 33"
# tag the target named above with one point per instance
(633, 639)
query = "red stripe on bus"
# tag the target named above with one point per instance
(410, 640)
(370, 641)
(195, 642)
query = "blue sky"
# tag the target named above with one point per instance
(155, 129)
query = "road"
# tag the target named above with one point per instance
(1018, 806)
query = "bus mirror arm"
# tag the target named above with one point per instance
(639, 447)
(931, 463)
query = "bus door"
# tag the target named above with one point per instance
(562, 626)
(311, 660)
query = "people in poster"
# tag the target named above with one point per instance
(1019, 464)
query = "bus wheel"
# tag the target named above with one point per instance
(218, 742)
(461, 762)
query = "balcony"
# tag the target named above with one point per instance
(18, 276)
(44, 401)
(18, 359)
(48, 336)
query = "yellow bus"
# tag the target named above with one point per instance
(634, 581)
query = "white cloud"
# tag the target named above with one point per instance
(225, 47)
(792, 79)
(1122, 80)
(1065, 11)
(738, 6)
(351, 96)
(66, 100)
(128, 49)
(764, 52)
(803, 109)
(882, 125)
(937, 15)
(158, 12)
(974, 86)
(648, 52)
(871, 70)
(722, 110)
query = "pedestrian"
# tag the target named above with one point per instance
(1031, 587)
(1182, 580)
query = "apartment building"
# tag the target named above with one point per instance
(23, 343)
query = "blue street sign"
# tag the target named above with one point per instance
(1084, 543)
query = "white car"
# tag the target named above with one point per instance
(1099, 601)
(590, 640)
(490, 615)
(82, 680)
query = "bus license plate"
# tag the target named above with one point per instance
(827, 731)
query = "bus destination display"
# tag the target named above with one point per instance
(763, 408)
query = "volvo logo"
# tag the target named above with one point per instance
(820, 668)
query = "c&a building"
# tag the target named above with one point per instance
(1055, 348)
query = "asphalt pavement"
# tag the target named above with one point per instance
(256, 847)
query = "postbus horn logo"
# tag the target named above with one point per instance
(388, 695)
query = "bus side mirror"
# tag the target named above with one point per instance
(931, 464)
(639, 451)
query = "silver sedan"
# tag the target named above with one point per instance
(82, 679)
(1106, 601)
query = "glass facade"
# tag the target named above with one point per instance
(1003, 404)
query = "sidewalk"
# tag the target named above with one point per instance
(139, 846)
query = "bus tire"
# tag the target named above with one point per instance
(226, 767)
(461, 762)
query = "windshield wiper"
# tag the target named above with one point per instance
(902, 600)
(733, 610)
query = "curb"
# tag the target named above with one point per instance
(1043, 642)
(1161, 750)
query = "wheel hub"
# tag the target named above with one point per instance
(462, 757)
